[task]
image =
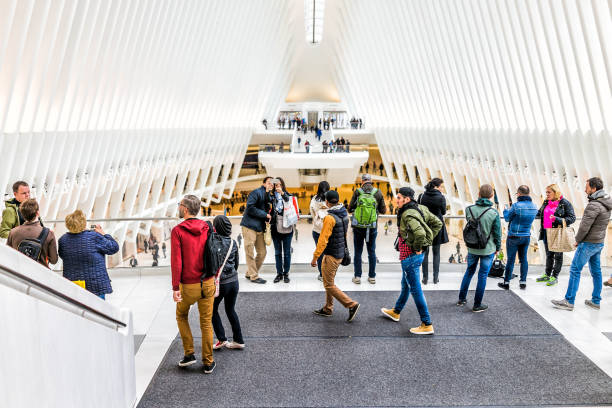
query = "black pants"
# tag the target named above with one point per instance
(229, 292)
(436, 262)
(554, 260)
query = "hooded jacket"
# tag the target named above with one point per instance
(318, 210)
(187, 242)
(11, 217)
(595, 219)
(436, 204)
(223, 227)
(413, 228)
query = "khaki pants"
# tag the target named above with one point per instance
(192, 293)
(253, 241)
(328, 272)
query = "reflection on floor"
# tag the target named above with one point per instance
(147, 293)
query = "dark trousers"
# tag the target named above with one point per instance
(282, 251)
(315, 236)
(359, 236)
(554, 260)
(436, 262)
(516, 245)
(229, 292)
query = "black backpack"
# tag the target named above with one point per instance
(473, 234)
(32, 247)
(214, 252)
(498, 269)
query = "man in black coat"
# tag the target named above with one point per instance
(435, 202)
(253, 223)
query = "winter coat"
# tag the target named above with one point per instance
(565, 210)
(257, 209)
(276, 216)
(491, 225)
(436, 204)
(336, 243)
(10, 217)
(412, 228)
(83, 255)
(187, 241)
(520, 216)
(318, 210)
(595, 219)
(230, 271)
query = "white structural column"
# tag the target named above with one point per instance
(121, 107)
(482, 91)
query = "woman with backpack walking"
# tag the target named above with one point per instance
(318, 211)
(435, 202)
(281, 235)
(555, 209)
(228, 289)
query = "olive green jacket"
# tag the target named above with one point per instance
(10, 219)
(416, 231)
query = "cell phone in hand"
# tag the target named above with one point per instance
(93, 226)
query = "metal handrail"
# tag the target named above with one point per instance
(60, 295)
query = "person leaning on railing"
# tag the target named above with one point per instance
(83, 254)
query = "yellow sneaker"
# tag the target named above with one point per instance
(423, 329)
(390, 313)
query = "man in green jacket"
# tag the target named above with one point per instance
(11, 216)
(417, 229)
(491, 227)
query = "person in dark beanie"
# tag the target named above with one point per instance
(332, 244)
(417, 229)
(228, 289)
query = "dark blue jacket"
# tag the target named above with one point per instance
(520, 216)
(257, 209)
(83, 257)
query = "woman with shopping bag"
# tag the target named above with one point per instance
(284, 217)
(556, 215)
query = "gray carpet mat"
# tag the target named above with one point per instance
(507, 356)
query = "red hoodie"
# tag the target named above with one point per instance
(187, 251)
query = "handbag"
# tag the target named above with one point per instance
(268, 234)
(218, 275)
(290, 214)
(561, 239)
(346, 259)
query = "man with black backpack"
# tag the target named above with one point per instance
(482, 236)
(192, 280)
(31, 238)
(367, 202)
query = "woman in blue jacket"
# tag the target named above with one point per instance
(83, 254)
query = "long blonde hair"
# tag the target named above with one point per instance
(556, 190)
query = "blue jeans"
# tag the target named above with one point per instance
(282, 251)
(586, 252)
(412, 284)
(485, 266)
(514, 245)
(315, 236)
(359, 236)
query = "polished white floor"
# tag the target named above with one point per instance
(147, 292)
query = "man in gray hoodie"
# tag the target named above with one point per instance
(589, 243)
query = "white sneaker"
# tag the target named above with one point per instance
(220, 344)
(234, 345)
(356, 280)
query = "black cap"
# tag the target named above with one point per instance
(407, 192)
(332, 196)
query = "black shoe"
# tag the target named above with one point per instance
(278, 278)
(436, 280)
(208, 369)
(286, 279)
(424, 281)
(461, 302)
(523, 285)
(481, 308)
(259, 280)
(322, 312)
(352, 312)
(187, 361)
(504, 285)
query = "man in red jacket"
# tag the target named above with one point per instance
(187, 263)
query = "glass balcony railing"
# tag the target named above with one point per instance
(153, 250)
(314, 148)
